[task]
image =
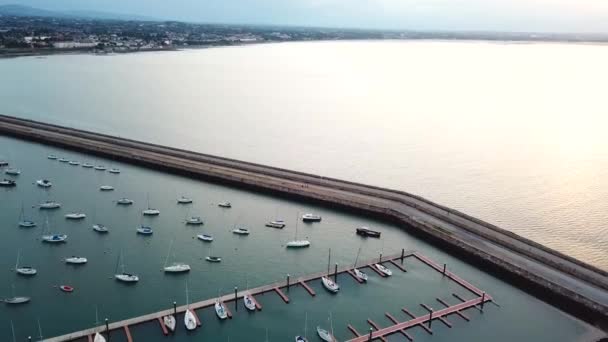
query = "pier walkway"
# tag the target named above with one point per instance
(567, 282)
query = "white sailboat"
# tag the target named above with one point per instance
(52, 157)
(124, 276)
(212, 258)
(184, 200)
(23, 222)
(46, 205)
(240, 231)
(194, 220)
(124, 201)
(13, 172)
(150, 211)
(296, 243)
(189, 318)
(106, 188)
(303, 338)
(15, 300)
(87, 165)
(360, 274)
(100, 168)
(224, 205)
(74, 162)
(249, 303)
(176, 267)
(205, 237)
(76, 260)
(98, 337)
(75, 216)
(326, 335)
(114, 170)
(24, 270)
(63, 160)
(44, 183)
(145, 230)
(280, 224)
(329, 284)
(52, 238)
(100, 228)
(220, 309)
(169, 322)
(384, 270)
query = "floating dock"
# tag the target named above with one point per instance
(563, 281)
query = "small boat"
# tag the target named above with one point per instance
(16, 300)
(177, 268)
(74, 162)
(303, 338)
(124, 201)
(360, 274)
(205, 237)
(44, 183)
(3, 163)
(100, 168)
(66, 288)
(76, 260)
(123, 276)
(224, 205)
(114, 170)
(54, 238)
(330, 285)
(213, 258)
(52, 157)
(296, 243)
(184, 200)
(241, 231)
(106, 188)
(325, 335)
(189, 320)
(220, 310)
(249, 303)
(13, 172)
(194, 220)
(311, 218)
(87, 165)
(366, 232)
(384, 270)
(169, 322)
(8, 183)
(280, 224)
(99, 338)
(143, 230)
(24, 270)
(75, 216)
(49, 205)
(151, 212)
(23, 222)
(100, 228)
(63, 160)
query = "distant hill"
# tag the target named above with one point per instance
(26, 11)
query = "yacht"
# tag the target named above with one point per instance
(49, 205)
(24, 270)
(224, 205)
(303, 338)
(280, 224)
(177, 268)
(23, 222)
(311, 218)
(205, 237)
(54, 238)
(330, 285)
(13, 172)
(63, 160)
(241, 231)
(124, 201)
(100, 228)
(106, 188)
(100, 168)
(87, 165)
(184, 200)
(7, 183)
(169, 322)
(194, 220)
(189, 320)
(114, 170)
(151, 212)
(296, 243)
(366, 232)
(143, 230)
(123, 276)
(52, 157)
(220, 310)
(249, 303)
(16, 300)
(76, 260)
(75, 216)
(45, 183)
(213, 258)
(74, 162)
(384, 270)
(360, 274)
(325, 335)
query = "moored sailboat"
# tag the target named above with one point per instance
(24, 270)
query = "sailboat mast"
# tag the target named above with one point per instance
(187, 299)
(357, 258)
(168, 253)
(13, 329)
(328, 261)
(39, 330)
(17, 262)
(305, 324)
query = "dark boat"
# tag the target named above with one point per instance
(364, 231)
(3, 163)
(8, 183)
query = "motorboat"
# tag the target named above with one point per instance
(249, 302)
(311, 218)
(280, 224)
(177, 268)
(3, 163)
(13, 172)
(384, 270)
(8, 183)
(74, 162)
(325, 335)
(44, 183)
(50, 205)
(151, 212)
(143, 230)
(205, 237)
(366, 232)
(298, 244)
(52, 157)
(114, 170)
(76, 260)
(106, 188)
(169, 322)
(220, 310)
(330, 285)
(27, 224)
(190, 320)
(100, 228)
(54, 238)
(194, 220)
(224, 205)
(100, 168)
(24, 270)
(16, 300)
(127, 277)
(184, 200)
(99, 338)
(75, 216)
(87, 165)
(124, 201)
(213, 258)
(360, 274)
(66, 288)
(241, 231)
(63, 160)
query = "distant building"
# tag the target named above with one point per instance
(73, 45)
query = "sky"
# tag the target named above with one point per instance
(470, 15)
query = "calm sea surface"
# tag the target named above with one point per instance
(511, 133)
